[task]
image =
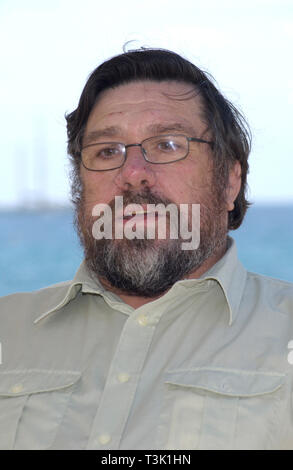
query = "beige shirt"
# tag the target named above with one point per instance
(206, 366)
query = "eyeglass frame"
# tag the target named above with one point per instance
(188, 139)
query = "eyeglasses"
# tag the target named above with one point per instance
(161, 149)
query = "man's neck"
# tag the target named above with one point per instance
(137, 301)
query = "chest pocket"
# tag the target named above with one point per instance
(210, 408)
(32, 404)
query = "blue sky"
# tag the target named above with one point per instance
(49, 49)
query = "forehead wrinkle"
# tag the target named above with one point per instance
(111, 106)
(152, 129)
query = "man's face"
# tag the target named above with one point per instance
(140, 110)
(129, 114)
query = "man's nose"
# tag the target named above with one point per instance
(136, 173)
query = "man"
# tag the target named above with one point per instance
(151, 346)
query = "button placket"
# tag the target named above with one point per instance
(121, 384)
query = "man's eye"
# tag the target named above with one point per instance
(168, 146)
(107, 152)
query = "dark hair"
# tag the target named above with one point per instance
(227, 126)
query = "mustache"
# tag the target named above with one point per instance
(141, 197)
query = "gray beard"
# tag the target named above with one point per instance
(148, 268)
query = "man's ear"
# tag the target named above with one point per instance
(234, 185)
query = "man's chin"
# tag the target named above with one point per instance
(139, 245)
(144, 268)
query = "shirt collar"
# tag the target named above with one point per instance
(82, 282)
(228, 272)
(231, 277)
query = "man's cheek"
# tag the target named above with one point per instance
(95, 192)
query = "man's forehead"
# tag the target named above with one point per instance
(164, 107)
(144, 88)
(152, 129)
(168, 95)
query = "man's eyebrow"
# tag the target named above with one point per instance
(102, 133)
(153, 130)
(160, 128)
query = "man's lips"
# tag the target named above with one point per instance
(140, 217)
(143, 213)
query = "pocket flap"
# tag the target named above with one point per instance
(28, 381)
(227, 381)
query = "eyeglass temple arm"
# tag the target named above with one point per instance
(195, 139)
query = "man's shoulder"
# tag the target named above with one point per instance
(28, 344)
(274, 283)
(277, 292)
(32, 304)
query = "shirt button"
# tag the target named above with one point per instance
(17, 388)
(104, 439)
(142, 320)
(123, 377)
